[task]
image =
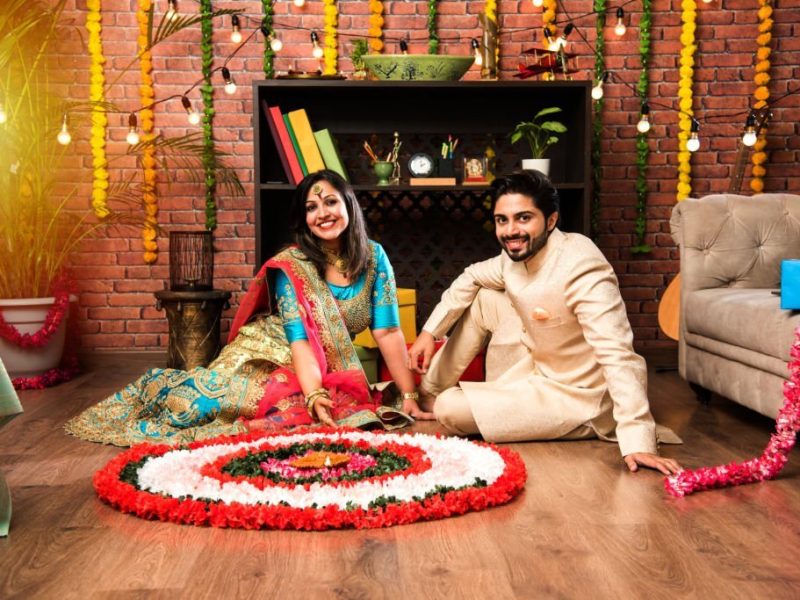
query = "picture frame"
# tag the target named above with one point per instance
(475, 169)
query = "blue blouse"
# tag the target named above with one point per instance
(383, 300)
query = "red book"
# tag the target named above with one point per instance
(283, 143)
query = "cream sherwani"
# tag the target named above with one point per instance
(560, 362)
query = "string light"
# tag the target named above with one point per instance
(693, 143)
(476, 50)
(236, 32)
(275, 43)
(538, 3)
(172, 10)
(548, 37)
(230, 86)
(316, 52)
(133, 136)
(750, 137)
(597, 90)
(643, 126)
(299, 3)
(3, 115)
(403, 47)
(562, 40)
(63, 137)
(620, 28)
(194, 117)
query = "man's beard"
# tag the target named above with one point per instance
(530, 248)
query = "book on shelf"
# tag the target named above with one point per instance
(295, 145)
(283, 143)
(305, 139)
(330, 152)
(423, 181)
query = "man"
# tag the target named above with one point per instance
(560, 362)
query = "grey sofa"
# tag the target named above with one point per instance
(734, 337)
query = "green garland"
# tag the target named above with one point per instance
(642, 146)
(269, 53)
(433, 34)
(597, 121)
(207, 92)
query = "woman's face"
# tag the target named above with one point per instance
(326, 213)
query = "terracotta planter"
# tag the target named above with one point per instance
(536, 164)
(28, 316)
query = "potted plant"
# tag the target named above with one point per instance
(43, 217)
(540, 135)
(360, 49)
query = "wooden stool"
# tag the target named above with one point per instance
(194, 319)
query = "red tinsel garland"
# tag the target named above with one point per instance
(770, 463)
(65, 372)
(40, 338)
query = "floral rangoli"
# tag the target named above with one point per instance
(311, 480)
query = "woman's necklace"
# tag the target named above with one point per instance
(336, 261)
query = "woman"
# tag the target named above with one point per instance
(290, 360)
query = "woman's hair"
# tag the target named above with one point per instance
(533, 184)
(355, 243)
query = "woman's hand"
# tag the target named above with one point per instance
(411, 407)
(322, 408)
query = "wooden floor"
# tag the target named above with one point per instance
(583, 528)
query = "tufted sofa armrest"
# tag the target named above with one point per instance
(728, 240)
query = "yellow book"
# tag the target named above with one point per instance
(305, 139)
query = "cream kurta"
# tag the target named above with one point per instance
(573, 362)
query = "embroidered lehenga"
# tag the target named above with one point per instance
(252, 383)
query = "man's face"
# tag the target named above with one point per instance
(520, 226)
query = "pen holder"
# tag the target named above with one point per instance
(382, 171)
(445, 167)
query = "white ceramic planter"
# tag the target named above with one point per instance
(536, 164)
(28, 316)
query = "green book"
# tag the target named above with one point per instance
(9, 401)
(330, 152)
(297, 150)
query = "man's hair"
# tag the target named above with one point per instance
(533, 184)
(355, 243)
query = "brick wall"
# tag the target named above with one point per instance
(117, 309)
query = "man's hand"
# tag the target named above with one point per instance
(652, 461)
(423, 347)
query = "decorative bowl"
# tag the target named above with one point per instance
(417, 67)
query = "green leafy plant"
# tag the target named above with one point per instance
(539, 134)
(44, 219)
(360, 48)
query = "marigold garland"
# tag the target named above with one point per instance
(331, 46)
(685, 96)
(97, 81)
(147, 93)
(761, 93)
(207, 92)
(549, 16)
(597, 121)
(269, 53)
(774, 457)
(642, 145)
(375, 30)
(433, 33)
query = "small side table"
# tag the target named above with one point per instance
(194, 320)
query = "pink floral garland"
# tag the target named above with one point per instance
(770, 463)
(187, 510)
(39, 339)
(61, 374)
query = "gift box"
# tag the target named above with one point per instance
(407, 301)
(369, 362)
(474, 372)
(790, 284)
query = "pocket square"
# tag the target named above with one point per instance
(540, 314)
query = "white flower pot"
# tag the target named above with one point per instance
(536, 164)
(28, 316)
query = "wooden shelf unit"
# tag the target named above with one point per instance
(423, 113)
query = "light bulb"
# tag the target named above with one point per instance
(476, 51)
(707, 1)
(643, 126)
(299, 3)
(620, 28)
(230, 86)
(194, 117)
(317, 52)
(693, 143)
(276, 44)
(749, 138)
(3, 115)
(538, 3)
(133, 137)
(63, 137)
(597, 91)
(236, 33)
(172, 10)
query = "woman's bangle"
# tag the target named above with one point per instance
(411, 396)
(312, 397)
